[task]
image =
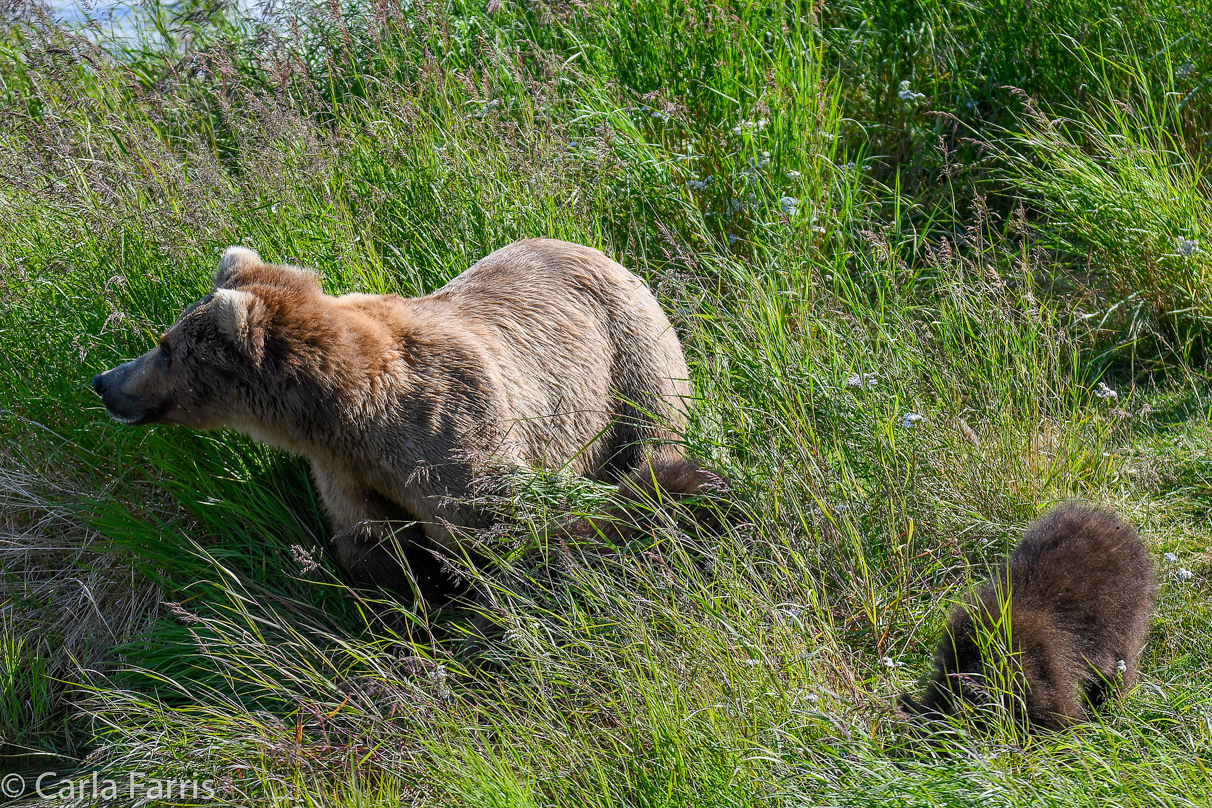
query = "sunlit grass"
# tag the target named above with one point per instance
(914, 323)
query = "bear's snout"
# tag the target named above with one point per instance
(122, 391)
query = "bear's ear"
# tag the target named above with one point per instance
(235, 259)
(243, 318)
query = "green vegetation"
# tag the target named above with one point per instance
(994, 215)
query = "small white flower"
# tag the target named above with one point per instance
(905, 92)
(910, 420)
(789, 205)
(861, 380)
(793, 175)
(760, 124)
(1185, 574)
(889, 662)
(1121, 666)
(489, 107)
(700, 185)
(1103, 391)
(1170, 557)
(1184, 70)
(1186, 247)
(732, 239)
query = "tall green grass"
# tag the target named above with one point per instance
(913, 323)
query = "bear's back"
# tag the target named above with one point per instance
(582, 348)
(544, 273)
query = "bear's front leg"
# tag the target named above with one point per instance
(379, 544)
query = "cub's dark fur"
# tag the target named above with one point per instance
(1079, 592)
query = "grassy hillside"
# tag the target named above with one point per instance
(992, 215)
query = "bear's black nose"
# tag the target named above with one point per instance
(99, 384)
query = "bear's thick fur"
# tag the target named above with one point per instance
(1078, 594)
(544, 353)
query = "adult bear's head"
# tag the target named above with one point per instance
(224, 353)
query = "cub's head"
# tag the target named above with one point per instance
(224, 353)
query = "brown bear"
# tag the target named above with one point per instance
(1078, 594)
(543, 353)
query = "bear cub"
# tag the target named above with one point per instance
(1078, 593)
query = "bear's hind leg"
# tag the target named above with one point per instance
(687, 486)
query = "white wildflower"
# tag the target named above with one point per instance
(700, 185)
(744, 126)
(1170, 557)
(789, 205)
(1184, 70)
(487, 108)
(1185, 574)
(1186, 247)
(793, 175)
(905, 92)
(1121, 666)
(910, 420)
(861, 380)
(791, 611)
(889, 662)
(1103, 391)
